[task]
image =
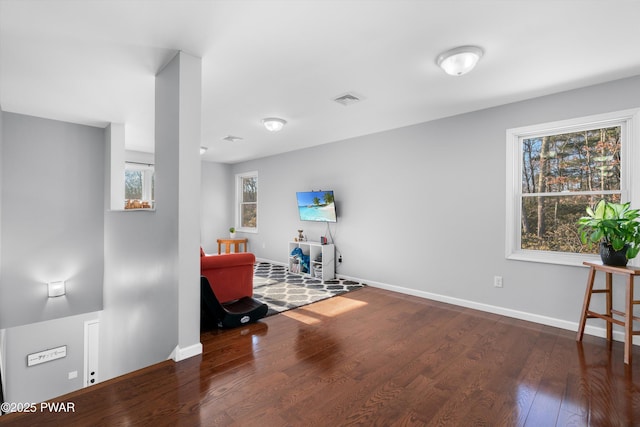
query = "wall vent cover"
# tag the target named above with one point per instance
(348, 99)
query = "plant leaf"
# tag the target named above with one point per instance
(600, 207)
(617, 243)
(590, 212)
(596, 235)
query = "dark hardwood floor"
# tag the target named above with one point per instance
(373, 358)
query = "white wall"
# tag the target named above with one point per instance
(139, 157)
(422, 208)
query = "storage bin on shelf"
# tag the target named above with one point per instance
(317, 271)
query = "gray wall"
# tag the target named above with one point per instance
(422, 208)
(389, 231)
(46, 380)
(141, 318)
(51, 228)
(2, 331)
(52, 218)
(139, 323)
(216, 204)
(54, 211)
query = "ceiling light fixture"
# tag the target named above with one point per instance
(460, 60)
(203, 150)
(273, 124)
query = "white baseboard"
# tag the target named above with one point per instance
(522, 315)
(516, 314)
(179, 354)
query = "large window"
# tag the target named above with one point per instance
(247, 202)
(555, 171)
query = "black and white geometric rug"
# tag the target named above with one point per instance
(282, 290)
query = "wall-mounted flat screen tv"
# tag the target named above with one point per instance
(316, 206)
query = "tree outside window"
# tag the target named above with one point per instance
(133, 184)
(139, 182)
(247, 201)
(561, 175)
(554, 171)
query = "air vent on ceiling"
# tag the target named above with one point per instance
(348, 99)
(232, 138)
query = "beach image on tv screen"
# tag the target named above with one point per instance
(316, 206)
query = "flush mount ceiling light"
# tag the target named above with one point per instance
(273, 124)
(460, 60)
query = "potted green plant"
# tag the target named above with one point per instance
(232, 232)
(615, 227)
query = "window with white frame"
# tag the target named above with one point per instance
(554, 171)
(247, 201)
(139, 183)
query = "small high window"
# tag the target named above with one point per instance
(247, 202)
(138, 185)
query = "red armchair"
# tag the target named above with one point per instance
(230, 275)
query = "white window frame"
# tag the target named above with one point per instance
(238, 219)
(629, 120)
(147, 178)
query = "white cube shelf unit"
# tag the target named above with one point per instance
(322, 260)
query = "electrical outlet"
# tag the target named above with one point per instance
(73, 374)
(497, 281)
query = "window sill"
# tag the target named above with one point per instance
(247, 230)
(548, 257)
(132, 210)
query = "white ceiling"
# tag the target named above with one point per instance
(94, 61)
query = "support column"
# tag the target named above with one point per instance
(178, 112)
(114, 181)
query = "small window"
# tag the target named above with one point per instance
(554, 172)
(138, 186)
(247, 202)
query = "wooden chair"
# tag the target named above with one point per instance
(626, 317)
